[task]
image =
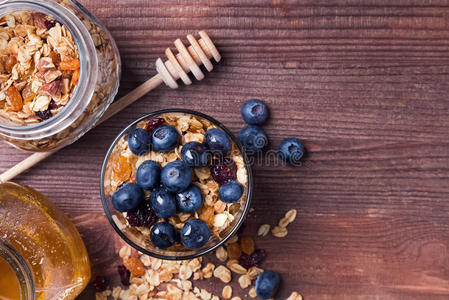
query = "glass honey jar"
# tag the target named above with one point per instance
(42, 255)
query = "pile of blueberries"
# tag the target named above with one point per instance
(254, 140)
(171, 187)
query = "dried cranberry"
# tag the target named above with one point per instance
(153, 123)
(143, 216)
(223, 170)
(53, 105)
(254, 259)
(50, 23)
(124, 274)
(44, 115)
(100, 283)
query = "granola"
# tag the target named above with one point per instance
(103, 48)
(218, 215)
(39, 67)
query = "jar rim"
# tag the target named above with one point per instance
(20, 268)
(88, 70)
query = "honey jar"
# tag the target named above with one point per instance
(42, 255)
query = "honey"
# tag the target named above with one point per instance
(46, 240)
(9, 284)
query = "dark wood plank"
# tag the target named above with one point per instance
(363, 83)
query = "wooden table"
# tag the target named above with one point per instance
(363, 83)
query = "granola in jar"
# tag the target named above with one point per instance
(123, 167)
(72, 77)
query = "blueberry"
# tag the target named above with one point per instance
(127, 197)
(139, 141)
(217, 141)
(148, 175)
(194, 234)
(231, 191)
(267, 284)
(254, 112)
(189, 200)
(164, 138)
(163, 202)
(163, 235)
(253, 138)
(291, 150)
(195, 154)
(176, 176)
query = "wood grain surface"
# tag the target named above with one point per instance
(363, 83)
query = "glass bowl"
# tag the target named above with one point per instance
(138, 237)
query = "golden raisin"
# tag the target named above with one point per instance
(27, 93)
(10, 63)
(70, 65)
(75, 77)
(134, 265)
(234, 251)
(247, 245)
(121, 167)
(14, 98)
(207, 214)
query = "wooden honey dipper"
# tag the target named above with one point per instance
(189, 59)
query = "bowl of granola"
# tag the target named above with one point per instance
(59, 71)
(176, 184)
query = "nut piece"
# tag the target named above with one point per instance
(252, 293)
(263, 230)
(227, 292)
(223, 273)
(295, 296)
(221, 254)
(235, 267)
(279, 232)
(244, 281)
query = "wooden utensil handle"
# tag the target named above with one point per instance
(177, 66)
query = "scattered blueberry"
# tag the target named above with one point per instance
(124, 273)
(195, 154)
(223, 170)
(291, 150)
(218, 142)
(139, 141)
(254, 112)
(176, 176)
(267, 284)
(127, 197)
(194, 234)
(163, 202)
(189, 200)
(142, 216)
(153, 123)
(148, 175)
(163, 235)
(164, 138)
(231, 191)
(253, 138)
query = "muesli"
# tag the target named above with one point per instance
(39, 67)
(123, 164)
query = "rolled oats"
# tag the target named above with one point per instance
(234, 266)
(289, 217)
(223, 273)
(295, 296)
(208, 270)
(252, 293)
(236, 298)
(263, 230)
(244, 281)
(253, 272)
(227, 292)
(279, 232)
(221, 254)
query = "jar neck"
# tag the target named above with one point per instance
(88, 69)
(20, 268)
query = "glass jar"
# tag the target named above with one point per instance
(40, 249)
(98, 82)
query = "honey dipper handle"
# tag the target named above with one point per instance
(115, 107)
